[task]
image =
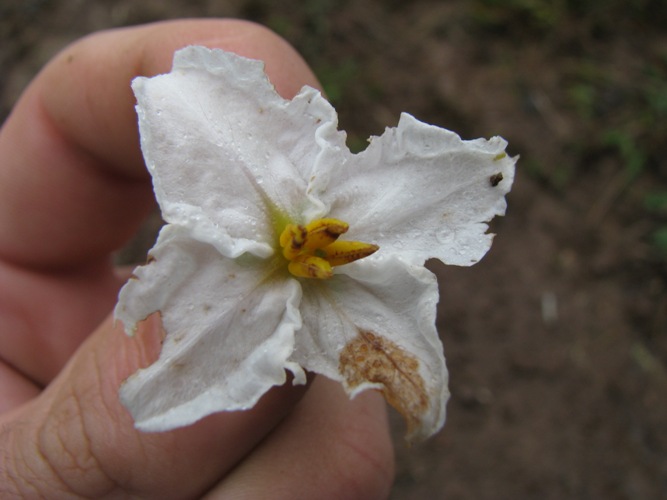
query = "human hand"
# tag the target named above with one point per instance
(73, 189)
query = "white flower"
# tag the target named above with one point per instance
(254, 189)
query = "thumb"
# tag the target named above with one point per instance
(77, 439)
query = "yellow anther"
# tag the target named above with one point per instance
(292, 240)
(309, 266)
(313, 250)
(323, 232)
(344, 252)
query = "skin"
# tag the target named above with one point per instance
(73, 189)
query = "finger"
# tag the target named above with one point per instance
(73, 186)
(329, 447)
(44, 317)
(77, 440)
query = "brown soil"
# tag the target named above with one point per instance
(557, 341)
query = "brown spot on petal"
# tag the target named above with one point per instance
(495, 179)
(375, 359)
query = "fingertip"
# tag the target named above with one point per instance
(86, 88)
(329, 447)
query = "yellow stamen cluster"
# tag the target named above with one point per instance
(312, 250)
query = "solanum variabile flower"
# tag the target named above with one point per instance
(285, 252)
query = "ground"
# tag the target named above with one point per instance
(557, 341)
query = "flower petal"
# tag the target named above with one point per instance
(229, 332)
(373, 326)
(215, 124)
(421, 192)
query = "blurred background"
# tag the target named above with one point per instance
(557, 341)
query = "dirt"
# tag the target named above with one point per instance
(557, 341)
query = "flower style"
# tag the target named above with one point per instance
(283, 251)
